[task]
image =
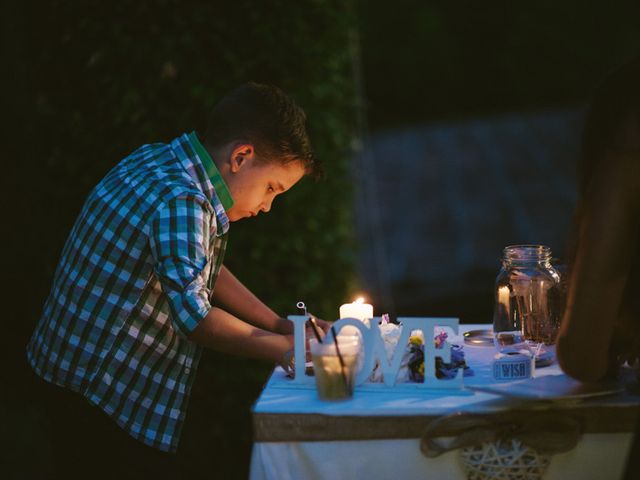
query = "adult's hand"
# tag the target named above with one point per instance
(626, 340)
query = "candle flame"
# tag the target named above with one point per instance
(359, 300)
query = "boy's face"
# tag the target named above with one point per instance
(254, 185)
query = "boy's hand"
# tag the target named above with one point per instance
(323, 324)
(288, 362)
(285, 327)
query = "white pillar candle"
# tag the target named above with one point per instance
(358, 309)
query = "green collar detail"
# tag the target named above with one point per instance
(214, 174)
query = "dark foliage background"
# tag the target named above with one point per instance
(447, 65)
(441, 60)
(90, 81)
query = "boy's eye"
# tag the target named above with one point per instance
(270, 189)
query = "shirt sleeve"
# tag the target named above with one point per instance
(179, 239)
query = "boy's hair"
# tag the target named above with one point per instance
(269, 119)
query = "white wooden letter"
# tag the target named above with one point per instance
(427, 326)
(299, 342)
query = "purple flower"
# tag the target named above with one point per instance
(443, 370)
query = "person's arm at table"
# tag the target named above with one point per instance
(608, 239)
(231, 294)
(221, 331)
(178, 246)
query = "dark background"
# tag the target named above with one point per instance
(87, 82)
(474, 112)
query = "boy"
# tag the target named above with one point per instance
(133, 298)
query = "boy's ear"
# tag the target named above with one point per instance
(241, 154)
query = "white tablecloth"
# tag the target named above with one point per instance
(597, 456)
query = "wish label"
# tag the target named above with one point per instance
(512, 366)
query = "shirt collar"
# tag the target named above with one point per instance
(217, 181)
(197, 161)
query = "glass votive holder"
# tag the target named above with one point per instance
(335, 369)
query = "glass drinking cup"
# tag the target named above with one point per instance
(335, 378)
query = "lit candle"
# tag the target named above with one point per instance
(503, 297)
(503, 304)
(358, 309)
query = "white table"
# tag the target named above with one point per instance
(376, 434)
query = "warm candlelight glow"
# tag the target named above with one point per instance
(357, 309)
(503, 296)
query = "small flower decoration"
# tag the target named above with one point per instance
(443, 370)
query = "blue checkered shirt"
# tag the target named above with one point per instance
(135, 277)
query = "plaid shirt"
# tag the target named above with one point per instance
(134, 278)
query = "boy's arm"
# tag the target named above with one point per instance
(221, 331)
(233, 296)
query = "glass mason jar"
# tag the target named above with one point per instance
(528, 306)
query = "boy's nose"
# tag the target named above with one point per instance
(266, 206)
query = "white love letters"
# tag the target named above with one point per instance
(373, 350)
